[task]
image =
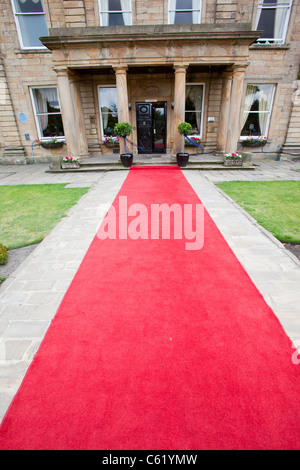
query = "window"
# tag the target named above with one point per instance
(184, 11)
(257, 110)
(31, 22)
(273, 18)
(47, 112)
(115, 12)
(108, 109)
(194, 107)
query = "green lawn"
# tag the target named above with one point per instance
(29, 212)
(274, 204)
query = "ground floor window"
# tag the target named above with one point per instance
(108, 109)
(47, 112)
(194, 100)
(257, 110)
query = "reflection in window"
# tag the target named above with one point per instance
(47, 112)
(272, 18)
(184, 11)
(108, 109)
(115, 12)
(194, 107)
(31, 22)
(257, 110)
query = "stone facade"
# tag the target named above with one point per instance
(149, 61)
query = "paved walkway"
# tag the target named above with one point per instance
(30, 297)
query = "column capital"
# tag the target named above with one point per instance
(180, 67)
(237, 68)
(120, 69)
(61, 71)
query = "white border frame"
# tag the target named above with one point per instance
(202, 110)
(37, 123)
(99, 104)
(244, 137)
(172, 10)
(26, 48)
(121, 11)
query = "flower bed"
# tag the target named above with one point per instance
(233, 159)
(258, 141)
(50, 144)
(70, 162)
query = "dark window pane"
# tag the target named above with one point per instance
(266, 23)
(29, 6)
(115, 19)
(195, 120)
(184, 4)
(114, 5)
(252, 125)
(51, 125)
(183, 17)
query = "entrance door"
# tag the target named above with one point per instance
(151, 127)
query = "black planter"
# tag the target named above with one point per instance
(126, 159)
(182, 159)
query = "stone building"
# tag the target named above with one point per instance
(70, 69)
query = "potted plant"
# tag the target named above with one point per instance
(233, 159)
(111, 141)
(184, 129)
(254, 141)
(70, 162)
(123, 129)
(50, 144)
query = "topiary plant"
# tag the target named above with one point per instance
(184, 128)
(122, 129)
(3, 254)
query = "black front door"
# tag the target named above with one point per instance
(151, 127)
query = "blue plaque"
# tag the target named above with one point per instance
(23, 118)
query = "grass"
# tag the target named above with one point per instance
(2, 278)
(29, 212)
(273, 204)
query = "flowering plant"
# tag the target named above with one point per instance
(197, 140)
(70, 160)
(258, 138)
(233, 156)
(112, 139)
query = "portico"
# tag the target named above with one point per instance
(152, 64)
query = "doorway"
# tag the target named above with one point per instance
(151, 127)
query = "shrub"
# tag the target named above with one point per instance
(3, 254)
(122, 129)
(184, 128)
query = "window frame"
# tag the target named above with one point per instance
(267, 127)
(272, 41)
(99, 103)
(171, 10)
(19, 31)
(101, 12)
(37, 114)
(197, 111)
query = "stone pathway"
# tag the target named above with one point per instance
(29, 298)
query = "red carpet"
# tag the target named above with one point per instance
(158, 347)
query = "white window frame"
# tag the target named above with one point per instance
(100, 112)
(244, 137)
(36, 113)
(197, 110)
(16, 15)
(101, 12)
(172, 10)
(261, 7)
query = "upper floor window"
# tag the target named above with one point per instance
(31, 22)
(47, 112)
(273, 19)
(115, 12)
(184, 11)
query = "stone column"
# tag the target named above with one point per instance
(67, 111)
(179, 106)
(122, 97)
(224, 110)
(78, 115)
(233, 129)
